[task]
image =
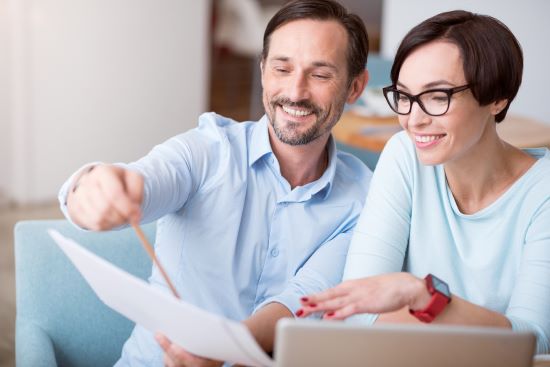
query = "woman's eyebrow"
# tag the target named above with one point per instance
(434, 84)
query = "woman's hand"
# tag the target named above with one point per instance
(377, 294)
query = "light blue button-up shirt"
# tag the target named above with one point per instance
(231, 233)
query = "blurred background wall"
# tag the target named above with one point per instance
(84, 80)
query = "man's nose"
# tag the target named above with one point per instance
(298, 88)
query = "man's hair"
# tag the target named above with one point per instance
(358, 41)
(491, 56)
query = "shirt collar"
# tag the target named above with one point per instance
(260, 146)
(323, 185)
(259, 142)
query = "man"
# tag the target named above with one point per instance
(251, 216)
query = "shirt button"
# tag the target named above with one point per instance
(275, 252)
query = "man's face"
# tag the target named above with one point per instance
(305, 79)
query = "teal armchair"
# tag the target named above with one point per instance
(60, 321)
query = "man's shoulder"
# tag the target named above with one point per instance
(350, 165)
(217, 131)
(351, 173)
(211, 122)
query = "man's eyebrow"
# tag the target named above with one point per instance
(279, 58)
(324, 64)
(317, 64)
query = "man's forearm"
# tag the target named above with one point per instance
(262, 324)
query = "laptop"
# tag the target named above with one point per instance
(331, 343)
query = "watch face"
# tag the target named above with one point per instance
(440, 286)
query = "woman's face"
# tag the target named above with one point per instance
(460, 132)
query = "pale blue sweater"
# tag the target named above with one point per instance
(498, 258)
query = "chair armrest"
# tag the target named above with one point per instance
(34, 346)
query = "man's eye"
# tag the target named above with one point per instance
(320, 76)
(281, 70)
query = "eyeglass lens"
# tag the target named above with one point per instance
(432, 102)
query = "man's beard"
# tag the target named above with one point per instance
(287, 132)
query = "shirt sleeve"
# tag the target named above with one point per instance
(322, 271)
(380, 239)
(529, 307)
(176, 169)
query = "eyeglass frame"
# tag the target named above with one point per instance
(416, 98)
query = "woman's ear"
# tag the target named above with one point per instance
(498, 106)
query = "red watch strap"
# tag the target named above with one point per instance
(434, 308)
(437, 303)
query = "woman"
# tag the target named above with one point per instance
(456, 228)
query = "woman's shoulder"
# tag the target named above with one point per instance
(541, 168)
(534, 186)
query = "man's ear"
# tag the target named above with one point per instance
(357, 85)
(262, 72)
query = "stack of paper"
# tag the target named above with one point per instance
(199, 332)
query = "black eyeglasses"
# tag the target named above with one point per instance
(435, 102)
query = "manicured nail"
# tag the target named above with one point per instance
(329, 314)
(304, 299)
(312, 305)
(300, 312)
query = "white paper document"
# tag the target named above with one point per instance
(199, 332)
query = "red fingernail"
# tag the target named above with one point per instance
(304, 299)
(313, 305)
(329, 314)
(300, 312)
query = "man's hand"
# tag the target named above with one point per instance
(261, 325)
(106, 197)
(177, 356)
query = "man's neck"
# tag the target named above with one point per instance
(301, 164)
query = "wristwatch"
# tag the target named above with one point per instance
(440, 298)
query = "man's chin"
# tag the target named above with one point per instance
(294, 138)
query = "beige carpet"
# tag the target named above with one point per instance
(8, 218)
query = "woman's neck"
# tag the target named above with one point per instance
(485, 173)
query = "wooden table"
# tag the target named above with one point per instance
(372, 133)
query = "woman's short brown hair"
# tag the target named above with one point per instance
(491, 56)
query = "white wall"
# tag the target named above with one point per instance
(97, 80)
(5, 131)
(528, 20)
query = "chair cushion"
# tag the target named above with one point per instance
(51, 294)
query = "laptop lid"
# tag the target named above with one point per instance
(331, 343)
